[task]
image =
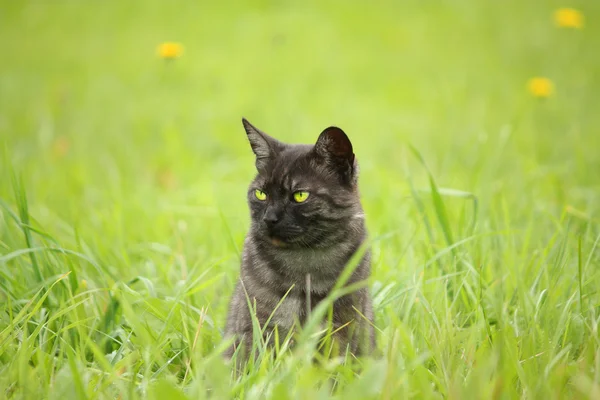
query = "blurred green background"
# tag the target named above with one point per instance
(140, 165)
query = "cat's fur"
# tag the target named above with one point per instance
(289, 240)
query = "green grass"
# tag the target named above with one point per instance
(123, 179)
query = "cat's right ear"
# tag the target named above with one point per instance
(334, 146)
(264, 146)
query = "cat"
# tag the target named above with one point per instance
(307, 222)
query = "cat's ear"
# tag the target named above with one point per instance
(264, 146)
(335, 148)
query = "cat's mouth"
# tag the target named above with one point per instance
(278, 242)
(290, 242)
(283, 238)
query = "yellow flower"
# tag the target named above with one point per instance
(540, 87)
(60, 147)
(568, 18)
(169, 50)
(166, 179)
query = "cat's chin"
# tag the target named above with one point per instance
(294, 242)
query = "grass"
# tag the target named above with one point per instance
(123, 179)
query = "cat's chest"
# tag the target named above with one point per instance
(295, 307)
(288, 310)
(314, 271)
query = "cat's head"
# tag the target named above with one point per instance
(303, 195)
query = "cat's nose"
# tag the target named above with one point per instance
(271, 217)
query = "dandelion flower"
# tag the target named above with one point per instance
(166, 179)
(568, 18)
(540, 87)
(60, 147)
(169, 50)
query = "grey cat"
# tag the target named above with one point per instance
(307, 222)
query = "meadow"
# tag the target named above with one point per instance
(124, 170)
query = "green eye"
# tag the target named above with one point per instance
(262, 196)
(301, 196)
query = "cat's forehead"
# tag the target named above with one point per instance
(293, 167)
(294, 160)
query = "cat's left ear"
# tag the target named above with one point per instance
(265, 147)
(335, 148)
